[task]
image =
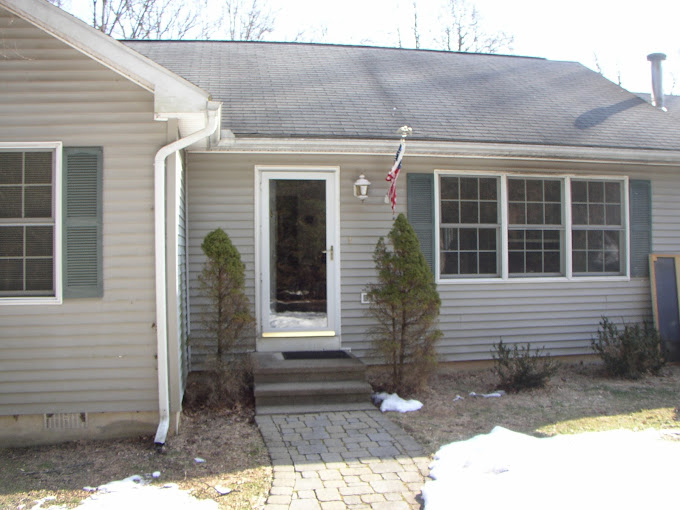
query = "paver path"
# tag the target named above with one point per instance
(342, 460)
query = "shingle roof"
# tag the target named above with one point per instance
(327, 91)
(670, 101)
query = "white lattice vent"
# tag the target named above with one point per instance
(66, 421)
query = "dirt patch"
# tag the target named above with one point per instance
(228, 441)
(578, 398)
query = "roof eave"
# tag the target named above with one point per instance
(173, 94)
(420, 148)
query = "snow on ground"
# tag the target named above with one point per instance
(393, 402)
(134, 494)
(617, 469)
(303, 320)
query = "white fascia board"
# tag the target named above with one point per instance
(447, 149)
(172, 93)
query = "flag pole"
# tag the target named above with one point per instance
(393, 174)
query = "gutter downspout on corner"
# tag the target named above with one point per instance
(161, 287)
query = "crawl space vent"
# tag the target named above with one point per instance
(61, 421)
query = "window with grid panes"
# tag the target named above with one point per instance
(469, 226)
(598, 230)
(26, 223)
(535, 231)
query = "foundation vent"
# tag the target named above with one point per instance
(63, 421)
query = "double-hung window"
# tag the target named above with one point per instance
(28, 222)
(535, 231)
(598, 229)
(520, 226)
(470, 227)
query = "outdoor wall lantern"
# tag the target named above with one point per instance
(361, 187)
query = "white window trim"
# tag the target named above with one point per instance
(56, 148)
(505, 277)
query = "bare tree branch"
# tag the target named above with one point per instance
(463, 31)
(416, 32)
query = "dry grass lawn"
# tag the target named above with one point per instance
(579, 398)
(229, 442)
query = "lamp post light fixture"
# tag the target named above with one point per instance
(361, 187)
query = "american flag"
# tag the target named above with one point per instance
(393, 175)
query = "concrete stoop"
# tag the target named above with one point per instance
(309, 382)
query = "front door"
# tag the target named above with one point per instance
(299, 253)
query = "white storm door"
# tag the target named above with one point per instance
(299, 259)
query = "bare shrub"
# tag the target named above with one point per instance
(520, 368)
(630, 353)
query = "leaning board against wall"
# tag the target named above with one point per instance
(665, 282)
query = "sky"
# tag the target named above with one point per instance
(614, 35)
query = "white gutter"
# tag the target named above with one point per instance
(421, 148)
(161, 287)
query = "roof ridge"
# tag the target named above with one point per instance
(331, 45)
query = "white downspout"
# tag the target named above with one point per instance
(161, 290)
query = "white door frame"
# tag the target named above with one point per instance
(331, 177)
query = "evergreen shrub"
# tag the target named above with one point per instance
(405, 305)
(630, 353)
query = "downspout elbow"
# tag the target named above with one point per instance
(161, 269)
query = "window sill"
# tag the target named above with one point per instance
(524, 280)
(30, 301)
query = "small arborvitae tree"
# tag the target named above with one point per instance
(405, 304)
(228, 314)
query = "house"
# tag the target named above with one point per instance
(538, 189)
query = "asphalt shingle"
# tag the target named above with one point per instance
(327, 91)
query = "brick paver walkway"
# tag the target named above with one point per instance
(342, 460)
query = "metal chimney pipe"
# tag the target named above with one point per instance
(657, 79)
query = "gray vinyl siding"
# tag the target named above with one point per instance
(93, 354)
(560, 315)
(220, 195)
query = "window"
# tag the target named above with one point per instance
(27, 223)
(50, 245)
(498, 226)
(469, 226)
(534, 226)
(597, 226)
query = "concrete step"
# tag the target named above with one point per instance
(315, 408)
(297, 382)
(311, 392)
(273, 367)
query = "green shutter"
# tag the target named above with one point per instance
(82, 222)
(640, 226)
(420, 195)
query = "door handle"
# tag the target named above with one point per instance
(329, 251)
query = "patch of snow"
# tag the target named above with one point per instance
(156, 474)
(222, 490)
(298, 320)
(458, 397)
(133, 493)
(614, 469)
(199, 460)
(393, 402)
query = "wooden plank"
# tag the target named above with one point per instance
(665, 282)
